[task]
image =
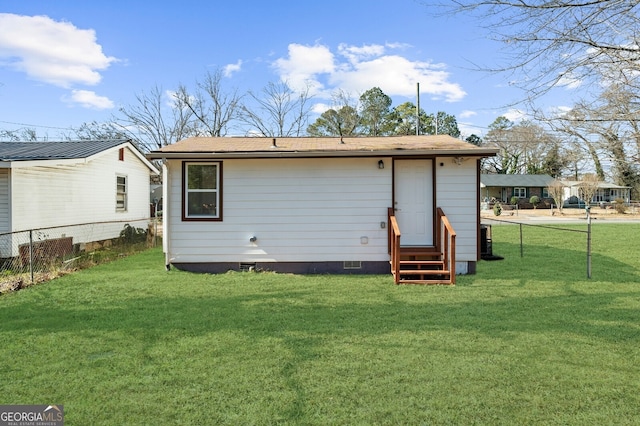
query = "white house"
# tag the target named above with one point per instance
(319, 205)
(51, 187)
(606, 192)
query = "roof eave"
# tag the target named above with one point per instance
(157, 155)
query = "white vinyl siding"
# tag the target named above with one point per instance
(51, 194)
(456, 194)
(299, 210)
(5, 204)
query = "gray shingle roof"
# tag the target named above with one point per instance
(25, 151)
(515, 180)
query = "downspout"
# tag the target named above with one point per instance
(166, 240)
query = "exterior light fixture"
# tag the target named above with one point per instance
(381, 164)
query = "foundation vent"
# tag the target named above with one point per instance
(247, 267)
(352, 264)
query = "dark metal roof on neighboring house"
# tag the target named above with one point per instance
(30, 151)
(515, 180)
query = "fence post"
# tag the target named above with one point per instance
(588, 242)
(521, 254)
(31, 254)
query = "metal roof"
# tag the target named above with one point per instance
(515, 180)
(29, 151)
(267, 147)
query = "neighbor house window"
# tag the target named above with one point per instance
(520, 192)
(121, 193)
(201, 194)
(545, 193)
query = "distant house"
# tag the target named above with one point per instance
(503, 187)
(320, 205)
(50, 186)
(606, 193)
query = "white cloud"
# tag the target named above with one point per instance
(230, 69)
(467, 114)
(363, 68)
(515, 115)
(356, 54)
(559, 110)
(50, 51)
(568, 81)
(89, 99)
(319, 108)
(304, 63)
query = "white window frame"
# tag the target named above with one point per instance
(518, 190)
(217, 190)
(122, 193)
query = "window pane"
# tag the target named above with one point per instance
(202, 176)
(202, 204)
(120, 201)
(121, 192)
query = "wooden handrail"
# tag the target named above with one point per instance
(446, 239)
(394, 245)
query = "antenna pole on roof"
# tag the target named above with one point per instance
(418, 109)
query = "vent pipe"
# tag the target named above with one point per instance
(273, 143)
(417, 109)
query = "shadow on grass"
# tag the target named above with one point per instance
(563, 265)
(285, 314)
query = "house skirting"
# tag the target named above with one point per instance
(379, 267)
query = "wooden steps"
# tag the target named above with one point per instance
(422, 265)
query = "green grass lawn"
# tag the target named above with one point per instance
(527, 340)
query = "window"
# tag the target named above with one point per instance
(520, 192)
(545, 193)
(201, 193)
(121, 193)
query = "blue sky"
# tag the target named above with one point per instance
(66, 62)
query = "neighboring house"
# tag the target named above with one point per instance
(606, 193)
(56, 185)
(316, 205)
(502, 187)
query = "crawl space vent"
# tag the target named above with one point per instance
(352, 264)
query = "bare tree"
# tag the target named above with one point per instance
(524, 148)
(588, 187)
(20, 135)
(97, 131)
(556, 191)
(155, 121)
(212, 107)
(578, 132)
(607, 130)
(562, 42)
(278, 112)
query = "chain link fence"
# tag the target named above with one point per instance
(37, 255)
